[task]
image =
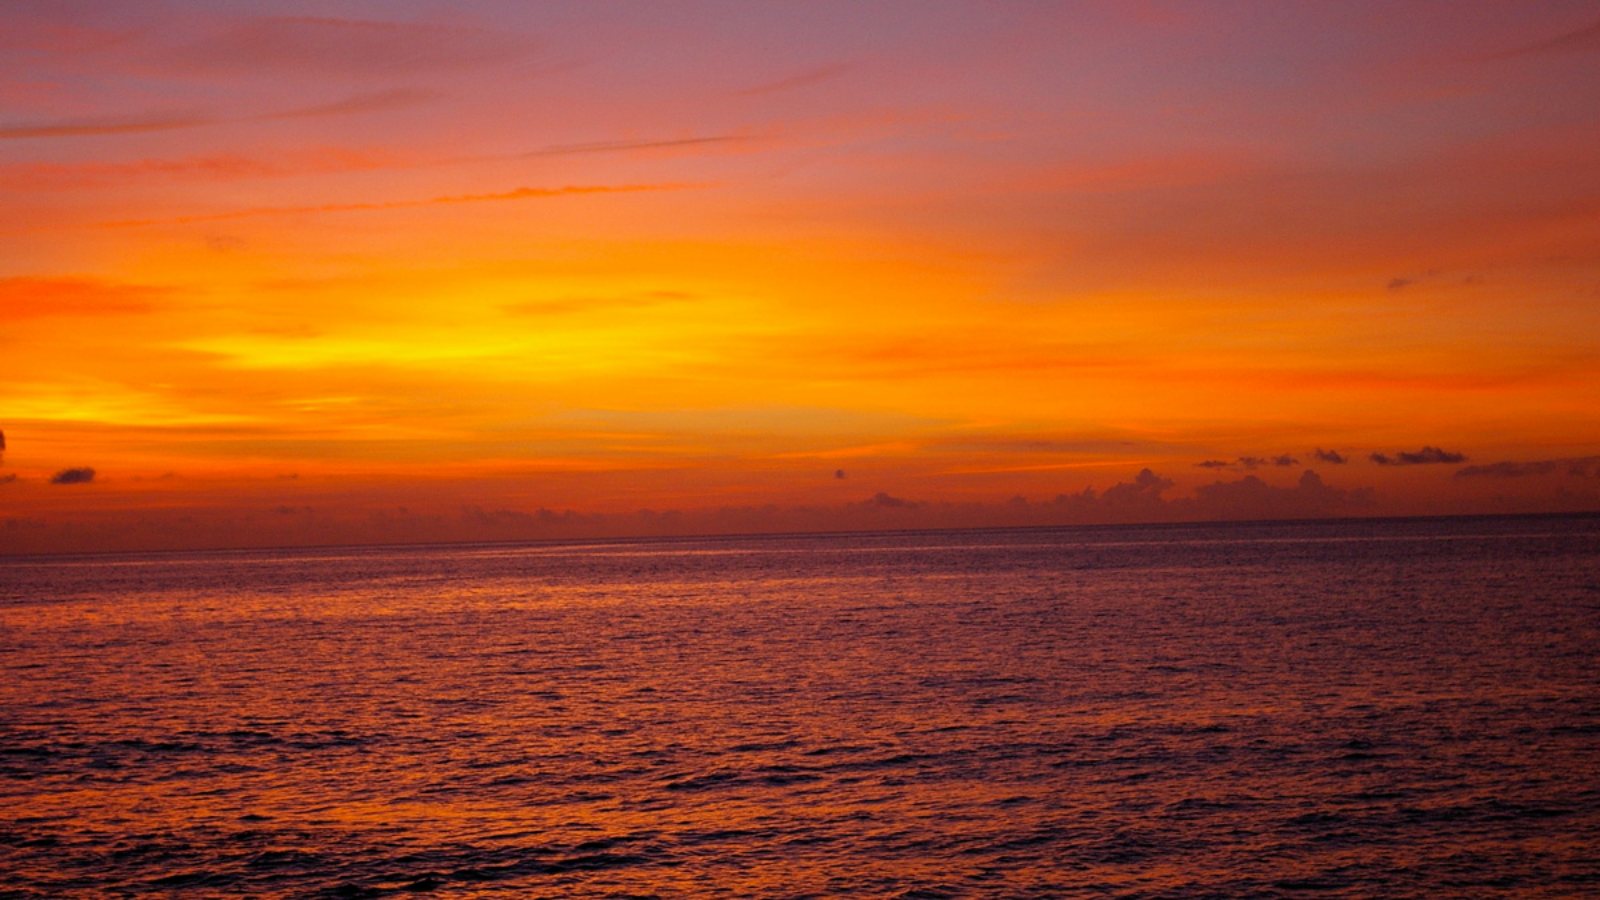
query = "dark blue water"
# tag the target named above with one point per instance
(1337, 710)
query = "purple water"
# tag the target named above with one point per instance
(1335, 710)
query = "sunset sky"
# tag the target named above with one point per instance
(279, 273)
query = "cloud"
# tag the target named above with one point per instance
(2, 446)
(1397, 284)
(1584, 40)
(798, 80)
(1252, 498)
(1581, 467)
(525, 193)
(7, 479)
(31, 298)
(626, 146)
(378, 101)
(221, 167)
(1330, 456)
(73, 476)
(110, 125)
(569, 305)
(1249, 462)
(884, 501)
(1425, 456)
(1143, 492)
(839, 474)
(325, 46)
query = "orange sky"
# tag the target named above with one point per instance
(283, 272)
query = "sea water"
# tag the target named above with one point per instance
(1356, 709)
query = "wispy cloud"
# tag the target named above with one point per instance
(30, 298)
(518, 194)
(326, 46)
(798, 80)
(219, 167)
(629, 146)
(568, 305)
(1425, 456)
(1583, 40)
(360, 104)
(105, 125)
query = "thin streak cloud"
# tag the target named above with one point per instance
(378, 101)
(346, 47)
(799, 80)
(102, 126)
(1584, 40)
(626, 146)
(518, 194)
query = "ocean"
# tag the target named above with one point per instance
(1398, 709)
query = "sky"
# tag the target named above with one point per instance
(278, 273)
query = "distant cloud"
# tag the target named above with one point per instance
(885, 501)
(1249, 463)
(326, 46)
(73, 476)
(627, 146)
(1584, 40)
(1330, 456)
(1252, 498)
(524, 193)
(1396, 284)
(798, 80)
(1425, 456)
(2, 446)
(7, 479)
(1581, 467)
(379, 101)
(29, 298)
(217, 167)
(839, 474)
(107, 125)
(1144, 491)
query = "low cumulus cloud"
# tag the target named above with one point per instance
(1245, 498)
(73, 476)
(1142, 493)
(885, 501)
(1426, 456)
(1580, 467)
(1333, 457)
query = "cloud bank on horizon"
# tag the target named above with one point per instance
(608, 258)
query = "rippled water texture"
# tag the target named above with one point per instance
(1402, 709)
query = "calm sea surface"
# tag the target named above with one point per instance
(1332, 710)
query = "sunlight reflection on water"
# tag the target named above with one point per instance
(1360, 709)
